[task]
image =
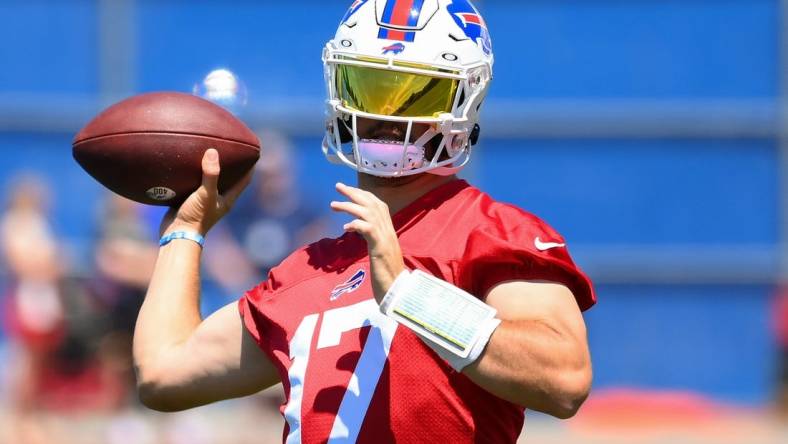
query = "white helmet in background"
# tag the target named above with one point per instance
(406, 80)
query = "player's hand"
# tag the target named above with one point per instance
(373, 222)
(204, 207)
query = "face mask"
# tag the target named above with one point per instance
(387, 156)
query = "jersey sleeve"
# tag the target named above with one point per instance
(507, 250)
(255, 307)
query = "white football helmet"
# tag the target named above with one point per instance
(405, 81)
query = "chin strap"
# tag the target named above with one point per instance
(455, 167)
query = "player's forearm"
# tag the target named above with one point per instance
(170, 313)
(531, 364)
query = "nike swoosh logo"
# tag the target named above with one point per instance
(544, 246)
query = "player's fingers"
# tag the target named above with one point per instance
(210, 172)
(358, 226)
(351, 208)
(357, 195)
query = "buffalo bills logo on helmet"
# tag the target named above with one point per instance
(352, 10)
(468, 18)
(393, 49)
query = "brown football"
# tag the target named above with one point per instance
(149, 147)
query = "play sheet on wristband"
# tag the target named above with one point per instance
(442, 312)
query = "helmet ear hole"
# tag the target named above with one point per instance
(474, 137)
(345, 135)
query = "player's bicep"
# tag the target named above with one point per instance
(220, 360)
(538, 357)
(550, 303)
(223, 345)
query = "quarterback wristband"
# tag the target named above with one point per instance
(189, 235)
(451, 321)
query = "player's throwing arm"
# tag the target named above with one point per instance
(181, 360)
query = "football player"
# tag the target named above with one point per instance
(438, 316)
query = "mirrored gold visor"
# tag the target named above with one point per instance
(393, 93)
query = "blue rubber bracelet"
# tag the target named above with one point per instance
(190, 235)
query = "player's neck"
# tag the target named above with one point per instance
(401, 191)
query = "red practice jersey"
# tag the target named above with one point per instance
(350, 373)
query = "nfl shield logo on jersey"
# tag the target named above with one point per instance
(348, 286)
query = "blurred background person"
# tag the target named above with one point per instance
(124, 257)
(34, 315)
(272, 218)
(71, 336)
